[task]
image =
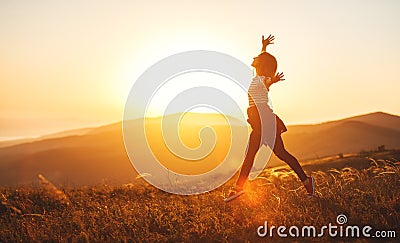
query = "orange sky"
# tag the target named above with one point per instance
(71, 64)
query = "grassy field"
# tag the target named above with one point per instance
(364, 188)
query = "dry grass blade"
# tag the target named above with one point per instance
(387, 172)
(143, 175)
(53, 191)
(334, 171)
(10, 207)
(34, 215)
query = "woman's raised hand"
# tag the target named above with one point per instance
(265, 42)
(278, 77)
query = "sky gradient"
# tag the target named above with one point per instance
(66, 64)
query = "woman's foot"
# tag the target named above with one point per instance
(234, 193)
(309, 184)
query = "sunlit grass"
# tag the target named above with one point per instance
(139, 212)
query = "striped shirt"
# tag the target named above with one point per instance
(258, 92)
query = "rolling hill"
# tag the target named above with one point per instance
(79, 131)
(98, 155)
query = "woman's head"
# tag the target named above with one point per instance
(265, 64)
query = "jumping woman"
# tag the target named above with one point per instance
(261, 118)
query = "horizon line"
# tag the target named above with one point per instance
(38, 136)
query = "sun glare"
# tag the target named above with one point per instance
(171, 88)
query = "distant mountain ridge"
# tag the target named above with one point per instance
(376, 118)
(363, 132)
(79, 131)
(97, 154)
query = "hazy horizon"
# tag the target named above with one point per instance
(39, 132)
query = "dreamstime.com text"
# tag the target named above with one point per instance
(331, 230)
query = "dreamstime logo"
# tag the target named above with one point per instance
(163, 150)
(341, 219)
(331, 230)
